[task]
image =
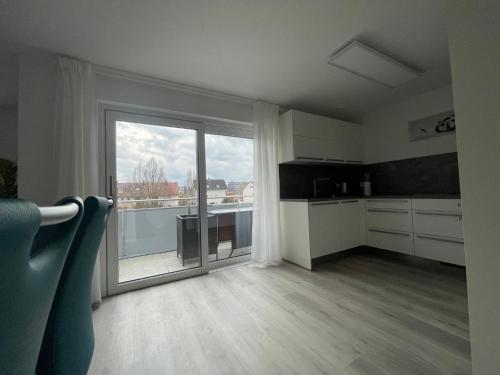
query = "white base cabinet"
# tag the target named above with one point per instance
(401, 242)
(388, 225)
(428, 228)
(437, 224)
(444, 249)
(315, 229)
(295, 238)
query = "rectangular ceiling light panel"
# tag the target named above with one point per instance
(371, 64)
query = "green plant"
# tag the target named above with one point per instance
(8, 179)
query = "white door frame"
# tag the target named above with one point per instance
(109, 113)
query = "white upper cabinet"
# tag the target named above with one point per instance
(307, 137)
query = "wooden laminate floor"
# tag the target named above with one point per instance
(363, 314)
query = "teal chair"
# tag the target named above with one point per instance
(31, 262)
(68, 344)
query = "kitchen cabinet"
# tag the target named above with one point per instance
(389, 218)
(307, 137)
(314, 229)
(389, 203)
(389, 225)
(351, 223)
(437, 224)
(428, 228)
(441, 248)
(401, 242)
(324, 228)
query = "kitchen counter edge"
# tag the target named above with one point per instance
(342, 198)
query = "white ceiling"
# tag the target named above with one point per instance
(276, 50)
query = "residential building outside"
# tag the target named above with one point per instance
(248, 192)
(216, 191)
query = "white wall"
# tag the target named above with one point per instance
(385, 132)
(36, 175)
(8, 133)
(154, 95)
(474, 37)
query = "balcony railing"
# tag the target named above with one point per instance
(183, 201)
(151, 230)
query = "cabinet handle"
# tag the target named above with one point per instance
(323, 203)
(308, 158)
(389, 232)
(391, 210)
(354, 201)
(336, 160)
(388, 200)
(440, 239)
(436, 213)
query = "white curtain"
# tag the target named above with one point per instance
(76, 138)
(266, 216)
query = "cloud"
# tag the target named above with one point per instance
(229, 158)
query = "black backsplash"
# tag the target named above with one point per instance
(296, 180)
(436, 174)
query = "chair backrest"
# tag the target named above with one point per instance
(68, 343)
(31, 263)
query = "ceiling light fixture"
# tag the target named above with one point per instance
(364, 61)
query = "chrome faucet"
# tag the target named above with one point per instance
(315, 184)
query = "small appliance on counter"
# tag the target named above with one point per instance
(344, 187)
(367, 186)
(322, 187)
(340, 188)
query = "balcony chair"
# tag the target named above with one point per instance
(31, 262)
(68, 344)
(188, 241)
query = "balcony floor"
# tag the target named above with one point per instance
(157, 264)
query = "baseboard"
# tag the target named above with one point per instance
(452, 265)
(332, 257)
(408, 257)
(315, 262)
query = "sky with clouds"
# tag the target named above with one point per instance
(229, 158)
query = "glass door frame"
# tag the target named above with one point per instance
(109, 113)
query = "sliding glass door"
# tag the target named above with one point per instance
(229, 182)
(155, 234)
(183, 194)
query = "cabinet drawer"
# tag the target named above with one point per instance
(437, 204)
(444, 249)
(400, 242)
(387, 218)
(399, 204)
(438, 223)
